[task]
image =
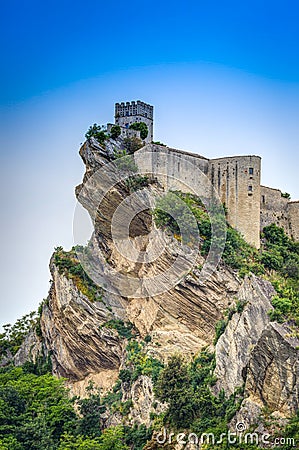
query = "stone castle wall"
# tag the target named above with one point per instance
(237, 180)
(293, 210)
(274, 208)
(279, 210)
(175, 169)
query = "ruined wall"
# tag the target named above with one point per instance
(237, 181)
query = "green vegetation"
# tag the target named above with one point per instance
(142, 127)
(37, 413)
(281, 257)
(125, 163)
(286, 195)
(98, 132)
(186, 389)
(115, 131)
(13, 335)
(140, 363)
(159, 143)
(278, 258)
(34, 410)
(124, 330)
(195, 219)
(222, 324)
(69, 265)
(132, 144)
(137, 182)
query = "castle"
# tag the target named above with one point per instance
(237, 179)
(131, 112)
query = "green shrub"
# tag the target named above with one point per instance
(98, 132)
(69, 265)
(132, 144)
(123, 329)
(142, 127)
(13, 335)
(191, 404)
(272, 260)
(115, 131)
(219, 329)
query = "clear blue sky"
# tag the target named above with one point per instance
(223, 77)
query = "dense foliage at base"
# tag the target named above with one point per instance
(36, 412)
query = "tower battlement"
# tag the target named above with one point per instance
(127, 113)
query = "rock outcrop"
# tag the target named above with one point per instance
(72, 332)
(259, 355)
(253, 352)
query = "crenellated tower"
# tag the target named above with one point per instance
(130, 112)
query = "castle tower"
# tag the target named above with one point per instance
(237, 180)
(128, 113)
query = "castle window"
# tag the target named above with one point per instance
(249, 188)
(250, 170)
(263, 199)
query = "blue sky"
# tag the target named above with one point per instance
(223, 77)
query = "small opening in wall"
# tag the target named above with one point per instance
(249, 188)
(263, 199)
(250, 170)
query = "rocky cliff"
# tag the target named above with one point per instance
(80, 333)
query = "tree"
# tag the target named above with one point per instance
(174, 387)
(98, 132)
(113, 439)
(115, 131)
(34, 410)
(69, 442)
(142, 127)
(132, 144)
(90, 409)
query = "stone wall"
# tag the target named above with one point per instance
(175, 169)
(237, 181)
(279, 210)
(293, 216)
(274, 208)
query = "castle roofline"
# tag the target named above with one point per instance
(236, 156)
(272, 189)
(181, 152)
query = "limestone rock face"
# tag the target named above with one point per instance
(273, 371)
(252, 352)
(30, 349)
(142, 396)
(260, 355)
(234, 347)
(71, 327)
